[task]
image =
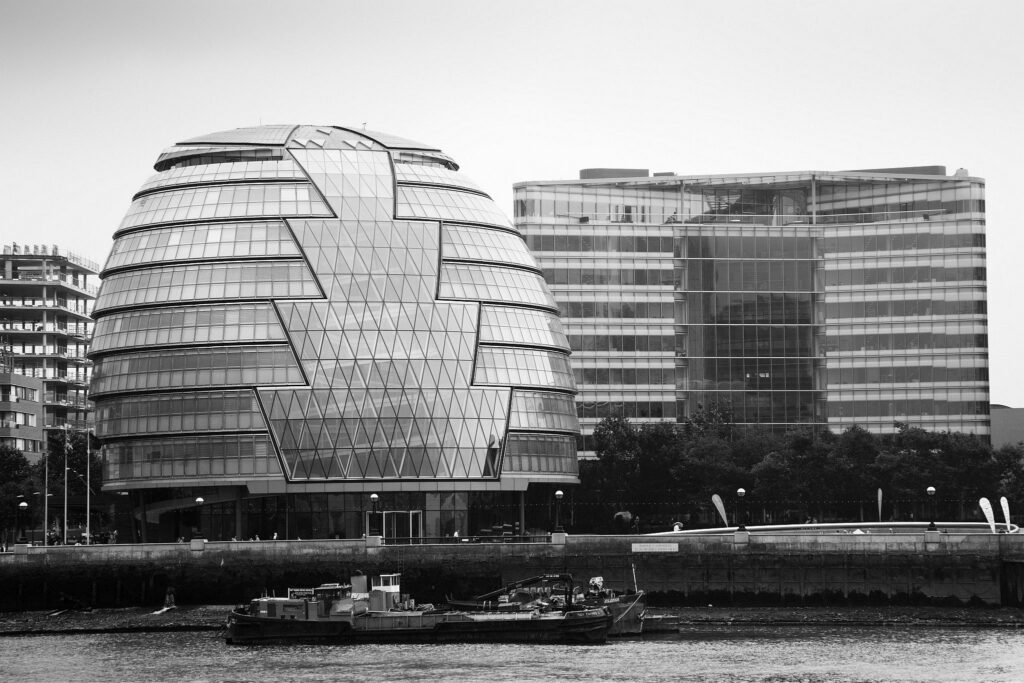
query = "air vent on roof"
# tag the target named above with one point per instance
(601, 173)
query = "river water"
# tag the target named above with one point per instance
(759, 653)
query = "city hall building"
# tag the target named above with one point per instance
(806, 299)
(293, 319)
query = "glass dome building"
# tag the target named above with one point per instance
(293, 318)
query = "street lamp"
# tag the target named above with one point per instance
(88, 486)
(373, 515)
(931, 498)
(558, 511)
(22, 508)
(741, 512)
(199, 517)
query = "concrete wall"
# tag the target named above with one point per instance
(695, 570)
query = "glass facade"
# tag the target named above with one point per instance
(290, 312)
(211, 241)
(805, 299)
(188, 325)
(224, 201)
(203, 282)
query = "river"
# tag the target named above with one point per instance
(748, 653)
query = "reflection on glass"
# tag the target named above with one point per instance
(523, 367)
(191, 242)
(188, 325)
(202, 367)
(245, 456)
(238, 280)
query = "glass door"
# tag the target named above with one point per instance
(395, 524)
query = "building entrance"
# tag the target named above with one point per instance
(395, 524)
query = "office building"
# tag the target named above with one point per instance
(46, 296)
(295, 318)
(805, 299)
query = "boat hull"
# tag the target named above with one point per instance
(627, 611)
(584, 626)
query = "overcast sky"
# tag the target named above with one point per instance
(522, 90)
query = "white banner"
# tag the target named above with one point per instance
(655, 547)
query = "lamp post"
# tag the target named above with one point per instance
(741, 511)
(88, 486)
(931, 498)
(66, 468)
(373, 515)
(46, 497)
(199, 516)
(22, 508)
(558, 511)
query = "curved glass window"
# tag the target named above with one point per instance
(236, 455)
(225, 201)
(191, 242)
(415, 462)
(284, 169)
(357, 183)
(494, 283)
(435, 175)
(543, 410)
(483, 244)
(204, 155)
(210, 367)
(507, 325)
(205, 281)
(540, 453)
(191, 411)
(434, 202)
(188, 325)
(523, 367)
(405, 430)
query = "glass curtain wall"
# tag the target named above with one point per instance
(906, 337)
(821, 299)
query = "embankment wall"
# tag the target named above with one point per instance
(899, 568)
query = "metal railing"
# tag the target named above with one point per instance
(15, 249)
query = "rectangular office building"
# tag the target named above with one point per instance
(817, 299)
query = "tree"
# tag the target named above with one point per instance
(15, 488)
(67, 454)
(617, 447)
(714, 420)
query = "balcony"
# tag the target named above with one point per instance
(35, 327)
(61, 279)
(66, 401)
(39, 305)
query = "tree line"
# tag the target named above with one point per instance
(664, 473)
(24, 482)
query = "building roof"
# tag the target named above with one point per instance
(777, 180)
(261, 141)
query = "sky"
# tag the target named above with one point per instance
(91, 92)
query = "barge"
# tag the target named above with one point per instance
(350, 613)
(627, 609)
